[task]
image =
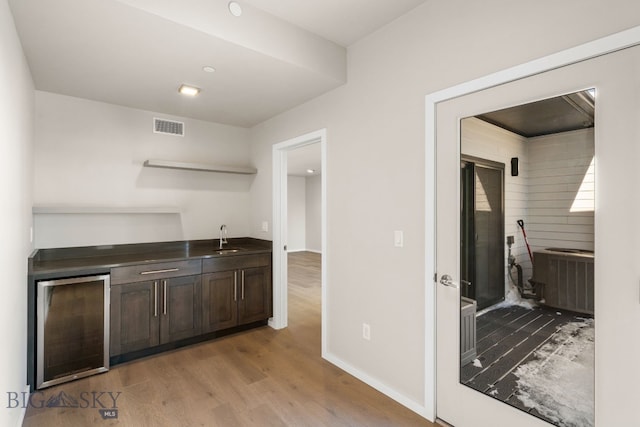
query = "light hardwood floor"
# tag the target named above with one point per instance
(261, 377)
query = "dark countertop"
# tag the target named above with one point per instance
(92, 259)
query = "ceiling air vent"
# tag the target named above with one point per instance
(168, 127)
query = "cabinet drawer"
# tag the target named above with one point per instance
(235, 262)
(155, 271)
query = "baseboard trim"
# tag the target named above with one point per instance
(378, 385)
(23, 409)
(291, 251)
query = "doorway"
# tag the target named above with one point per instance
(482, 231)
(611, 75)
(281, 153)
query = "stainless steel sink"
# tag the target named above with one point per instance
(227, 251)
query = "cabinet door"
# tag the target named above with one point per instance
(180, 308)
(255, 295)
(219, 300)
(134, 317)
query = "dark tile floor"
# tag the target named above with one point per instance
(507, 338)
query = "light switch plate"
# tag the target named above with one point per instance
(398, 238)
(265, 226)
(366, 331)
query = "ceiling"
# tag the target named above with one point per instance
(341, 21)
(304, 158)
(136, 53)
(553, 115)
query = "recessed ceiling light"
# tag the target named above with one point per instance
(311, 170)
(188, 90)
(208, 69)
(235, 8)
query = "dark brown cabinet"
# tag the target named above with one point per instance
(236, 290)
(163, 295)
(181, 309)
(219, 300)
(160, 303)
(134, 317)
(255, 295)
(147, 313)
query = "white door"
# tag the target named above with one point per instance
(616, 78)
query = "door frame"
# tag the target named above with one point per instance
(589, 50)
(280, 280)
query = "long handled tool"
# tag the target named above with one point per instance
(524, 234)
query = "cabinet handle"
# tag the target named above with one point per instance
(242, 292)
(155, 299)
(235, 286)
(166, 270)
(164, 291)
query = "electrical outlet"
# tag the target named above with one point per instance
(265, 226)
(366, 331)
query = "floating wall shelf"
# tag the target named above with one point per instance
(199, 167)
(105, 209)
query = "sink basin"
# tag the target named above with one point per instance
(227, 251)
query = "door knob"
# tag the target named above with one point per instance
(448, 281)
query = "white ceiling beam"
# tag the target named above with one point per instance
(256, 30)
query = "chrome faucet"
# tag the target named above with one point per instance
(223, 235)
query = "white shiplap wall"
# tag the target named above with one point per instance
(486, 141)
(561, 190)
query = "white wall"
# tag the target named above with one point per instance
(91, 153)
(304, 216)
(561, 190)
(16, 193)
(375, 162)
(314, 213)
(296, 213)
